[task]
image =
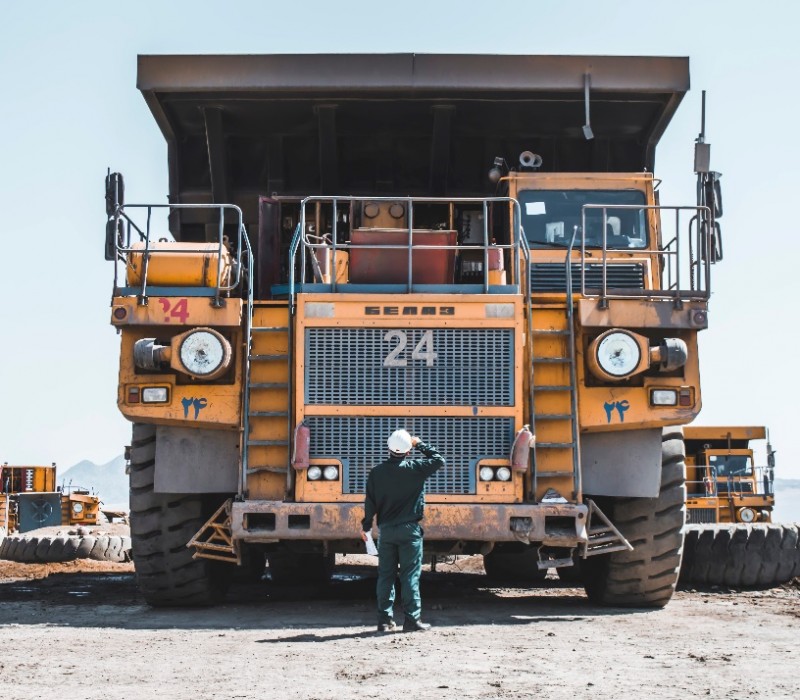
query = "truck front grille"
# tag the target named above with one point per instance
(552, 277)
(356, 366)
(697, 516)
(360, 443)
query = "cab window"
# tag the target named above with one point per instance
(549, 218)
(731, 465)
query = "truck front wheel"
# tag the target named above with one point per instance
(645, 577)
(161, 525)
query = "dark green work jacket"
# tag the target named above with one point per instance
(396, 488)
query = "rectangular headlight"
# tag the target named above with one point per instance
(155, 394)
(664, 397)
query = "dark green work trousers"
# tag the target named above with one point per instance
(399, 545)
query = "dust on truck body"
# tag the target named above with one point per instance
(470, 247)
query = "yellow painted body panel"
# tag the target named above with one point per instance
(177, 311)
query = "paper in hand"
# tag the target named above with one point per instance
(371, 548)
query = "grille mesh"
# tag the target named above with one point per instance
(360, 443)
(551, 277)
(696, 516)
(473, 367)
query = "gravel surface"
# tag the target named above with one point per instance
(80, 630)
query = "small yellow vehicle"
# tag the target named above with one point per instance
(29, 499)
(723, 483)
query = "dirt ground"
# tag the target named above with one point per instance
(80, 630)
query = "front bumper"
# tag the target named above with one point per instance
(558, 525)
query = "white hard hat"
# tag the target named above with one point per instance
(400, 442)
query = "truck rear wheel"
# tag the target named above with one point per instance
(645, 577)
(741, 556)
(161, 525)
(514, 563)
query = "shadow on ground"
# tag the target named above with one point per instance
(100, 600)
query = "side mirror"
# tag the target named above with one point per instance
(114, 237)
(716, 243)
(717, 198)
(115, 193)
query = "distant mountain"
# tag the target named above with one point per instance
(108, 481)
(781, 484)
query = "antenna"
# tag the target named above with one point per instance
(702, 150)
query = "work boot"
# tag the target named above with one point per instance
(387, 626)
(412, 625)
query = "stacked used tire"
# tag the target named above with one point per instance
(737, 555)
(63, 548)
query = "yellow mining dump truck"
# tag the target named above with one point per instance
(723, 483)
(731, 539)
(358, 243)
(29, 499)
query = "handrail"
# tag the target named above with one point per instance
(123, 250)
(577, 476)
(300, 237)
(699, 289)
(247, 339)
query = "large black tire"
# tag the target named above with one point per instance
(645, 577)
(293, 568)
(761, 555)
(514, 564)
(161, 525)
(52, 550)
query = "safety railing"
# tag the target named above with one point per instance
(683, 262)
(760, 483)
(127, 230)
(307, 245)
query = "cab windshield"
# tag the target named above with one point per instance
(731, 465)
(549, 218)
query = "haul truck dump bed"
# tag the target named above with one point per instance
(469, 247)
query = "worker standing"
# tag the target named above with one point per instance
(396, 494)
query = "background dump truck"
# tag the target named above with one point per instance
(723, 483)
(731, 539)
(470, 247)
(30, 500)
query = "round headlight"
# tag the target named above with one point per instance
(486, 474)
(313, 473)
(747, 515)
(503, 474)
(205, 353)
(77, 508)
(331, 473)
(618, 354)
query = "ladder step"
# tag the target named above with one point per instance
(275, 469)
(268, 414)
(551, 474)
(266, 358)
(269, 329)
(549, 331)
(556, 445)
(551, 387)
(602, 539)
(551, 360)
(269, 385)
(268, 443)
(553, 416)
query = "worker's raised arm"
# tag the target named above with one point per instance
(433, 460)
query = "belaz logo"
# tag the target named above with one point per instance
(410, 310)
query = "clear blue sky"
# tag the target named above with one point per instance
(70, 108)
